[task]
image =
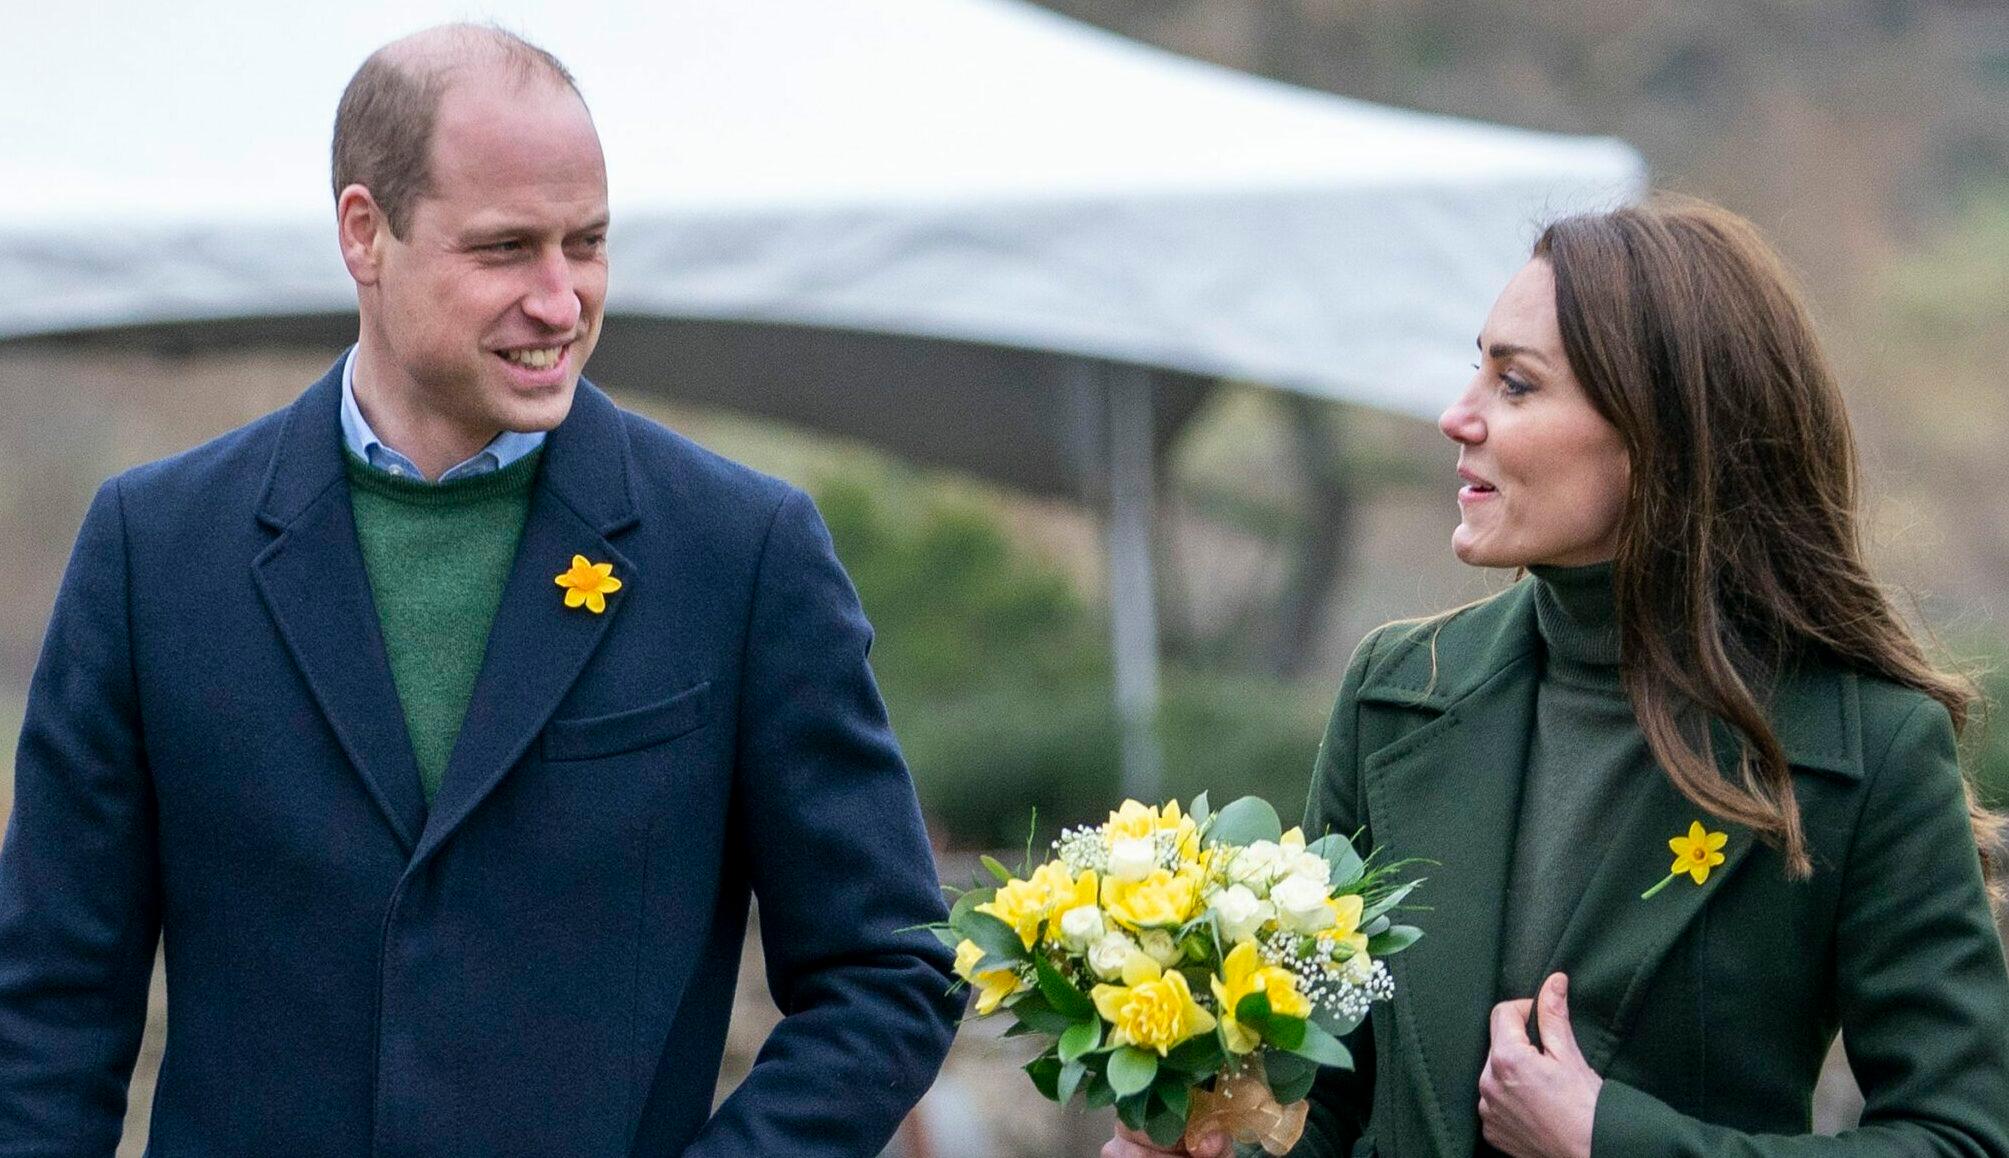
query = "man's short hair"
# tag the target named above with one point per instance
(384, 124)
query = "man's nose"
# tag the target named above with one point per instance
(553, 299)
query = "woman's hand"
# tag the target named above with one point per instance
(1131, 1144)
(1537, 1103)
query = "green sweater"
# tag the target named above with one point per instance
(438, 556)
(1587, 763)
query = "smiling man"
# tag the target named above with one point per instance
(444, 723)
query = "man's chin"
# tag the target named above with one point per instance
(533, 411)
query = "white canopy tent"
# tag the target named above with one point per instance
(971, 230)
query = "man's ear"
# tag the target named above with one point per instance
(363, 231)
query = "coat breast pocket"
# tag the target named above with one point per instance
(594, 737)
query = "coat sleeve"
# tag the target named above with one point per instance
(842, 871)
(1341, 1099)
(1919, 976)
(79, 900)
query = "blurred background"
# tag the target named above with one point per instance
(1868, 138)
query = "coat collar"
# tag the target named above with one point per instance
(1434, 663)
(586, 461)
(1447, 787)
(313, 580)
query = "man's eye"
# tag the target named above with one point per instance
(510, 246)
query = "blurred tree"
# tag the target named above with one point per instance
(996, 674)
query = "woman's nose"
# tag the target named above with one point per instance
(1461, 422)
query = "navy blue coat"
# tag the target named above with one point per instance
(543, 962)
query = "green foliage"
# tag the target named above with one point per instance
(998, 677)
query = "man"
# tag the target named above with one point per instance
(443, 722)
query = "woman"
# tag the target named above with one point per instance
(1700, 662)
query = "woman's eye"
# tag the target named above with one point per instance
(1513, 387)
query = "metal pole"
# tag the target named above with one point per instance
(1133, 609)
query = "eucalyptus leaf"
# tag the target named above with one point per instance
(1253, 1010)
(1175, 1093)
(1285, 1032)
(1334, 1022)
(1045, 1075)
(1071, 1073)
(1201, 810)
(1196, 1056)
(1131, 1070)
(1323, 1048)
(1246, 821)
(945, 935)
(1096, 1093)
(997, 870)
(1165, 1126)
(1061, 993)
(1080, 1038)
(1339, 854)
(1395, 940)
(1043, 1018)
(999, 941)
(967, 904)
(1290, 1076)
(1134, 1110)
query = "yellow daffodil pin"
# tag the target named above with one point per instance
(1694, 854)
(588, 584)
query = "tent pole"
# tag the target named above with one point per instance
(1132, 601)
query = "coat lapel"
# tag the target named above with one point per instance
(1615, 940)
(313, 582)
(1449, 791)
(537, 646)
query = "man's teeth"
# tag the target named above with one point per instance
(536, 359)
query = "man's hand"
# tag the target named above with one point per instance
(1131, 1144)
(1537, 1103)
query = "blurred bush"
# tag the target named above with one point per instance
(1987, 740)
(997, 673)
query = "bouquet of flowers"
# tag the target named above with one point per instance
(1192, 968)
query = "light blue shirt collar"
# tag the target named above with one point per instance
(363, 442)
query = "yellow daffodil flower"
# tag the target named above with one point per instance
(1345, 932)
(1152, 1009)
(1243, 973)
(1162, 900)
(1694, 854)
(588, 583)
(1024, 904)
(992, 985)
(1135, 821)
(1079, 892)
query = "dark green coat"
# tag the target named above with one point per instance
(1709, 1008)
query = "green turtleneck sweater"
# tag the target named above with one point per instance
(438, 556)
(1587, 762)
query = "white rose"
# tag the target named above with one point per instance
(1133, 859)
(1160, 947)
(1256, 864)
(1080, 927)
(1301, 904)
(1311, 866)
(1107, 957)
(1239, 912)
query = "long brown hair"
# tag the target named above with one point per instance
(1739, 552)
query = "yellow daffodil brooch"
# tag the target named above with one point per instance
(588, 584)
(1694, 854)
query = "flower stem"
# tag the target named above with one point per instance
(1648, 894)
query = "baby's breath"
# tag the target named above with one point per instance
(1081, 849)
